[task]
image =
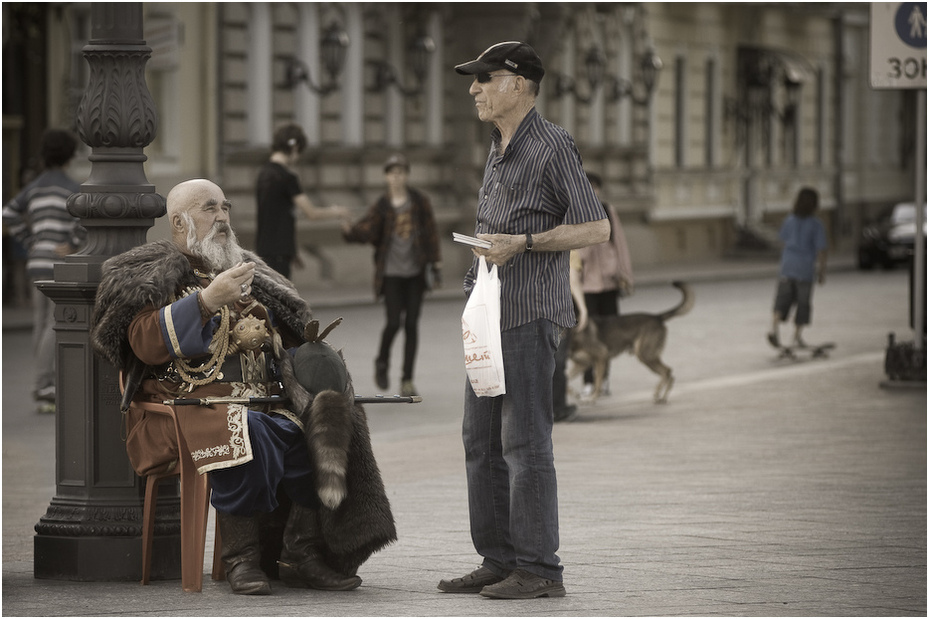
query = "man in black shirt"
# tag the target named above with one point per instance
(278, 194)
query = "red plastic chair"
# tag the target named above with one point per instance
(195, 505)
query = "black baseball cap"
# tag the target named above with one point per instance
(513, 56)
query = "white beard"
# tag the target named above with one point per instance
(217, 256)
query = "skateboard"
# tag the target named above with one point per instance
(816, 351)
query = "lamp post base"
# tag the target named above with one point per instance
(104, 558)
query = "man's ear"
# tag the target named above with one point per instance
(177, 222)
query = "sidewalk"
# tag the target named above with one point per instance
(791, 491)
(321, 296)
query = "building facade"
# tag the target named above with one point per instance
(703, 119)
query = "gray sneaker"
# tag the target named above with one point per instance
(522, 585)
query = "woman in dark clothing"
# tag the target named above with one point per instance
(401, 227)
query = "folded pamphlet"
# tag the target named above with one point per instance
(470, 240)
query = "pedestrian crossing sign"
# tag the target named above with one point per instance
(898, 45)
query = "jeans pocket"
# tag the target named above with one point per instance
(557, 333)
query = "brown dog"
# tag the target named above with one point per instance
(643, 334)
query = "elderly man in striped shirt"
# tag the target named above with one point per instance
(534, 206)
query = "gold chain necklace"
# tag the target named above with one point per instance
(209, 367)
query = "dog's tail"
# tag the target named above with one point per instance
(684, 306)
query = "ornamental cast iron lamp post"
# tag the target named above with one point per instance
(92, 528)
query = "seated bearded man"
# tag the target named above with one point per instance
(197, 317)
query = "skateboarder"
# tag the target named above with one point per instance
(803, 258)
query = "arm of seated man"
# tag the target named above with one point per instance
(180, 329)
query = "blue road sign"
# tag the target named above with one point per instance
(910, 24)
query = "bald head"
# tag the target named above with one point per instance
(198, 213)
(188, 194)
(194, 206)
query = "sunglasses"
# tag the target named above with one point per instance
(483, 78)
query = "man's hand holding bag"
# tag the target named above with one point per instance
(480, 331)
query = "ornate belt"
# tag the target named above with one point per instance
(244, 367)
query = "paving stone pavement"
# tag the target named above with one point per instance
(789, 491)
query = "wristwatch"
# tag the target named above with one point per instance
(528, 242)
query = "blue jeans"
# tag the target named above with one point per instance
(512, 491)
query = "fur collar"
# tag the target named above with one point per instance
(151, 274)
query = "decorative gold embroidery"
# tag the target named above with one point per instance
(236, 426)
(210, 452)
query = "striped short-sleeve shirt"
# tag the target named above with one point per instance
(536, 185)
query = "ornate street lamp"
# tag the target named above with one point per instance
(332, 49)
(649, 67)
(762, 75)
(594, 64)
(385, 75)
(614, 88)
(92, 528)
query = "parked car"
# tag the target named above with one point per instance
(888, 241)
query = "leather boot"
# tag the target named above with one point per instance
(242, 555)
(301, 563)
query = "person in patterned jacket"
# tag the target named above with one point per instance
(407, 262)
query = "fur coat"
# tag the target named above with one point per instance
(356, 517)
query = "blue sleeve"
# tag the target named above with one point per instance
(183, 330)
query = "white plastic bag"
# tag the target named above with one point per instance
(480, 333)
